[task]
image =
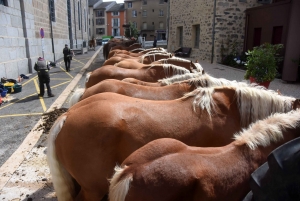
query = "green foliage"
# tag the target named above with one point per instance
(131, 31)
(262, 62)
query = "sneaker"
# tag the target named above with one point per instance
(41, 96)
(51, 95)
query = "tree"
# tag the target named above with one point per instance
(131, 31)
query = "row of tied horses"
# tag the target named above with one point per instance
(150, 126)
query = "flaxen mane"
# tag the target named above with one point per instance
(178, 70)
(154, 49)
(158, 53)
(269, 130)
(206, 80)
(254, 104)
(197, 65)
(178, 78)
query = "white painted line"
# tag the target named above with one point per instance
(8, 168)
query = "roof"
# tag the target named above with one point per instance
(103, 5)
(117, 7)
(92, 2)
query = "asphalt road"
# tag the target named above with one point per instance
(22, 112)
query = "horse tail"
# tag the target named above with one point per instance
(87, 77)
(119, 188)
(62, 180)
(76, 96)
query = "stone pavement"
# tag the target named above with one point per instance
(25, 175)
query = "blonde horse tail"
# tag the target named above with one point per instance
(118, 189)
(76, 96)
(62, 180)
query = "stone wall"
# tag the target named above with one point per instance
(229, 25)
(20, 39)
(13, 59)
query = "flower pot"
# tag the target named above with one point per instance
(265, 84)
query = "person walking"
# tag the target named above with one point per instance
(42, 69)
(68, 54)
(154, 41)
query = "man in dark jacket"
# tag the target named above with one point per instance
(154, 41)
(42, 69)
(68, 53)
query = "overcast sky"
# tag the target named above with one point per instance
(118, 1)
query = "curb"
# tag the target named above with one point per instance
(16, 159)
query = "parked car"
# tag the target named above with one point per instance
(105, 40)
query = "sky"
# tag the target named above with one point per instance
(118, 1)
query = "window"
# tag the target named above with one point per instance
(144, 13)
(180, 35)
(196, 35)
(161, 1)
(115, 13)
(3, 2)
(116, 22)
(134, 13)
(161, 12)
(78, 15)
(134, 24)
(99, 13)
(52, 10)
(129, 4)
(144, 25)
(100, 21)
(144, 2)
(277, 35)
(161, 25)
(100, 31)
(256, 37)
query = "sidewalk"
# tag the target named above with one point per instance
(25, 176)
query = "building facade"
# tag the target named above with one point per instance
(100, 18)
(207, 25)
(148, 16)
(115, 20)
(33, 28)
(277, 23)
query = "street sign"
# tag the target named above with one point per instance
(42, 32)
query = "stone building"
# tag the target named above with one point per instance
(22, 22)
(148, 16)
(208, 26)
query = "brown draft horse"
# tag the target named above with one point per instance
(92, 43)
(101, 131)
(150, 73)
(167, 169)
(115, 52)
(167, 92)
(145, 59)
(118, 42)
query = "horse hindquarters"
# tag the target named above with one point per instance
(62, 180)
(118, 189)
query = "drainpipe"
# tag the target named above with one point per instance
(75, 21)
(22, 6)
(213, 33)
(51, 31)
(81, 26)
